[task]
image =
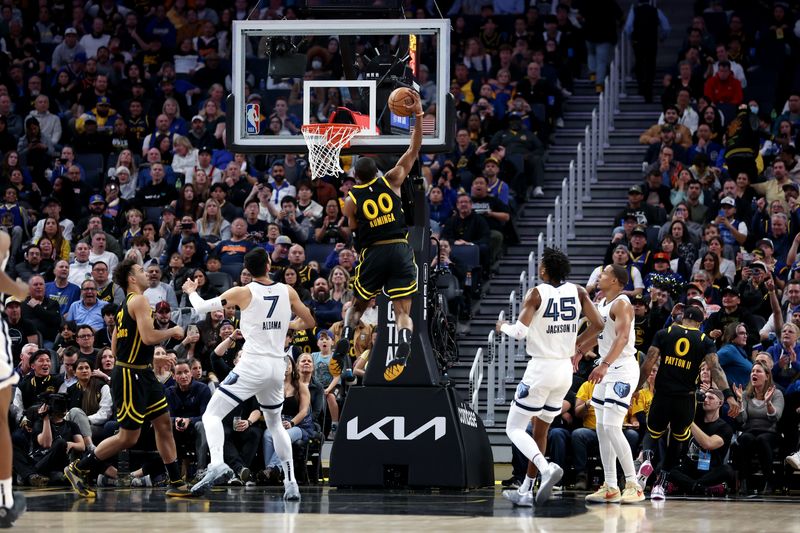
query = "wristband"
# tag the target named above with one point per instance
(605, 363)
(420, 114)
(726, 393)
(249, 424)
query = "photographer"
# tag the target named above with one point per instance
(53, 437)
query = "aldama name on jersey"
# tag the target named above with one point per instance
(562, 328)
(271, 324)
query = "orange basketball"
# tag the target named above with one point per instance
(399, 99)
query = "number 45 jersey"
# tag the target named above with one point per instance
(265, 321)
(554, 327)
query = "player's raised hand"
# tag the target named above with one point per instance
(189, 286)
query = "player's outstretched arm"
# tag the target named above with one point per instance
(532, 302)
(238, 296)
(8, 285)
(140, 309)
(404, 165)
(304, 320)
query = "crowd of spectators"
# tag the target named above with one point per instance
(715, 224)
(112, 139)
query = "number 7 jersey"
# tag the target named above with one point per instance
(554, 327)
(266, 320)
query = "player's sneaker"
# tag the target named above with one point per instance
(178, 489)
(142, 481)
(794, 460)
(549, 477)
(76, 476)
(519, 499)
(604, 494)
(106, 481)
(645, 471)
(658, 494)
(9, 515)
(398, 364)
(291, 492)
(213, 473)
(632, 493)
(337, 362)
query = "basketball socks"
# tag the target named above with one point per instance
(527, 485)
(89, 463)
(6, 494)
(173, 472)
(404, 349)
(622, 450)
(212, 424)
(516, 424)
(283, 444)
(608, 455)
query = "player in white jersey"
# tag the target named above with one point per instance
(615, 378)
(549, 321)
(267, 309)
(12, 504)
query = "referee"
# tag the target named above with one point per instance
(681, 349)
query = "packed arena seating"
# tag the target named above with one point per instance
(112, 135)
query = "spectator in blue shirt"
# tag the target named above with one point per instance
(326, 310)
(733, 355)
(60, 289)
(87, 310)
(784, 356)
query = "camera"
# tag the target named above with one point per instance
(186, 225)
(57, 403)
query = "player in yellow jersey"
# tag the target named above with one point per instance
(138, 395)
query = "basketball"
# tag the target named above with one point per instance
(399, 99)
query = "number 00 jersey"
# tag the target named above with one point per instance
(265, 321)
(554, 326)
(378, 211)
(130, 348)
(682, 350)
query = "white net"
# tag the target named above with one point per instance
(324, 142)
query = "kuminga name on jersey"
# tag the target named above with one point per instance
(378, 211)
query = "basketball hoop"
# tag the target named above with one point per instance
(324, 142)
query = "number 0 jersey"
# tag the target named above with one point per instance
(682, 350)
(378, 211)
(265, 321)
(554, 326)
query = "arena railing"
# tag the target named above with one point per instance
(576, 190)
(476, 379)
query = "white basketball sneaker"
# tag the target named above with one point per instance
(524, 499)
(550, 476)
(213, 473)
(291, 492)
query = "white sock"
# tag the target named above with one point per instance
(282, 442)
(622, 450)
(527, 485)
(218, 407)
(6, 494)
(608, 456)
(516, 423)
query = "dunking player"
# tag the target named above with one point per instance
(138, 395)
(12, 504)
(681, 348)
(615, 379)
(386, 258)
(549, 322)
(267, 309)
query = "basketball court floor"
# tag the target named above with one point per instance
(327, 509)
